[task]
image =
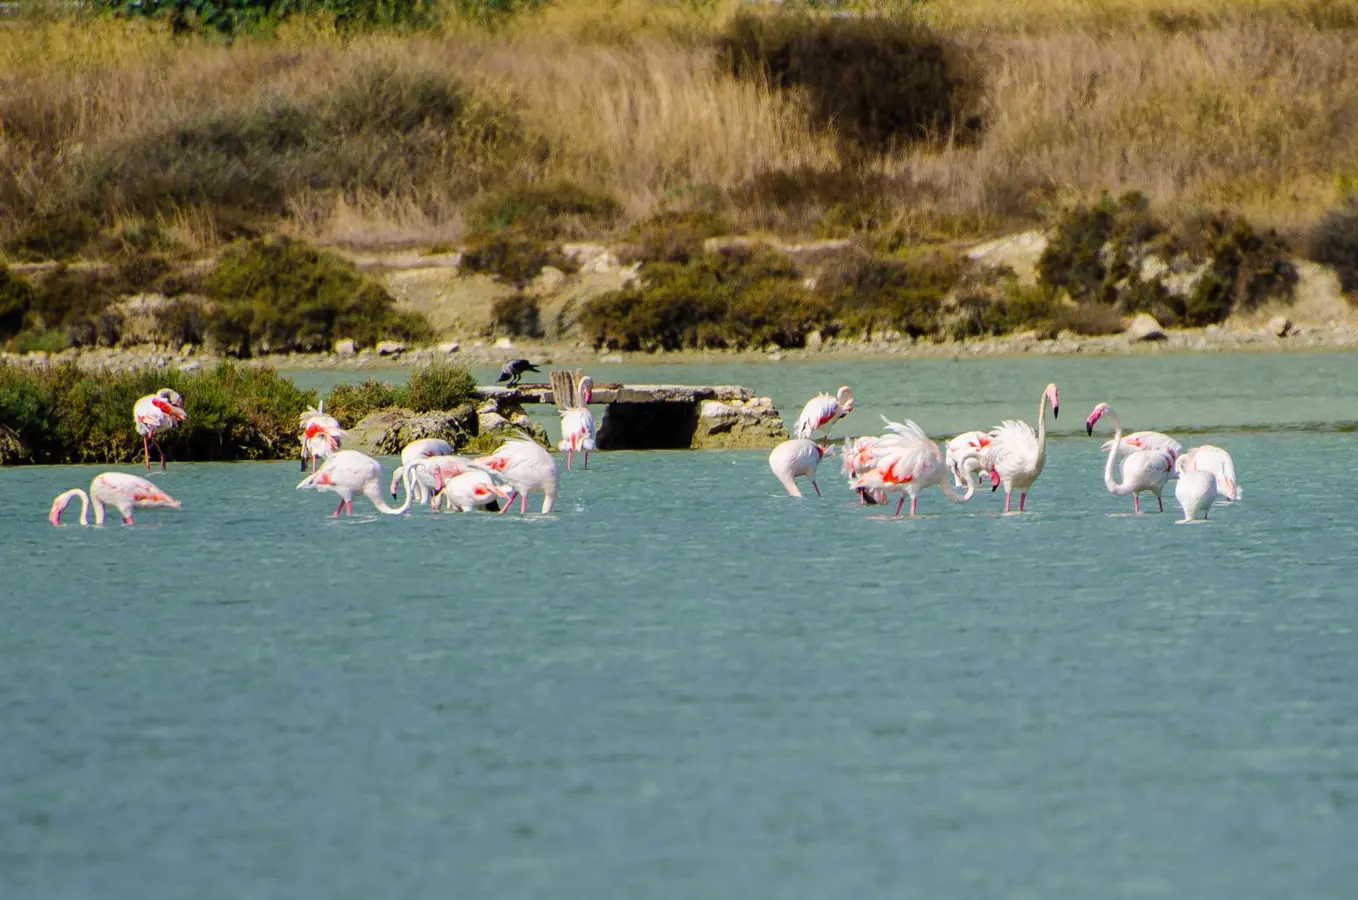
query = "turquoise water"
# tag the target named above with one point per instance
(686, 685)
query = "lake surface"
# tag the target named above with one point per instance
(684, 684)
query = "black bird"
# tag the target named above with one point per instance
(513, 371)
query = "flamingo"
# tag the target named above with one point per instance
(1016, 455)
(471, 490)
(823, 410)
(321, 435)
(858, 454)
(1142, 470)
(907, 461)
(154, 413)
(1146, 440)
(963, 455)
(526, 467)
(417, 450)
(120, 490)
(796, 458)
(1195, 490)
(349, 472)
(577, 425)
(446, 465)
(1208, 458)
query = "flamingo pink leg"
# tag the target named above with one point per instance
(816, 486)
(523, 504)
(586, 459)
(1162, 503)
(127, 520)
(1136, 502)
(1023, 495)
(913, 501)
(508, 504)
(339, 506)
(568, 460)
(899, 504)
(1006, 501)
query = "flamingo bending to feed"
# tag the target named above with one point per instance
(423, 448)
(446, 466)
(1142, 470)
(348, 473)
(577, 425)
(964, 455)
(907, 462)
(1195, 490)
(795, 459)
(154, 413)
(1146, 440)
(119, 490)
(1218, 462)
(526, 468)
(821, 411)
(1016, 455)
(858, 460)
(321, 435)
(471, 490)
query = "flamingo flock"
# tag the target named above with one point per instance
(903, 460)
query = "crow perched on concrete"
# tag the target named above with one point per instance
(513, 371)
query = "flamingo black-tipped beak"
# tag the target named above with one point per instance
(1056, 412)
(1089, 428)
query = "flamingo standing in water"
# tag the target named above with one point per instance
(1016, 455)
(1146, 440)
(822, 411)
(1195, 490)
(471, 490)
(963, 455)
(154, 413)
(907, 462)
(526, 468)
(795, 459)
(446, 466)
(858, 460)
(1142, 470)
(577, 425)
(321, 435)
(417, 450)
(119, 490)
(1218, 462)
(348, 473)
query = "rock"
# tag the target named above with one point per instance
(386, 431)
(499, 412)
(611, 358)
(192, 365)
(1145, 328)
(775, 357)
(1213, 330)
(346, 348)
(546, 281)
(504, 343)
(186, 350)
(815, 340)
(1280, 325)
(738, 423)
(449, 347)
(390, 348)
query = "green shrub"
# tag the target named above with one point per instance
(65, 415)
(1334, 242)
(875, 294)
(439, 386)
(878, 82)
(280, 294)
(1093, 250)
(546, 210)
(16, 298)
(673, 237)
(349, 403)
(517, 315)
(241, 15)
(514, 257)
(1245, 269)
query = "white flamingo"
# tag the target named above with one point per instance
(964, 455)
(821, 411)
(907, 462)
(858, 460)
(1218, 462)
(471, 490)
(349, 473)
(1146, 440)
(577, 425)
(417, 450)
(1195, 490)
(797, 458)
(1016, 455)
(445, 466)
(527, 468)
(1142, 470)
(321, 435)
(154, 413)
(119, 490)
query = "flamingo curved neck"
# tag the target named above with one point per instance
(951, 493)
(1108, 470)
(1042, 431)
(407, 476)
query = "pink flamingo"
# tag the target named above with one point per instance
(423, 448)
(907, 462)
(1146, 440)
(154, 413)
(577, 425)
(348, 473)
(1016, 455)
(858, 460)
(1143, 470)
(526, 468)
(448, 466)
(963, 455)
(471, 490)
(117, 489)
(321, 435)
(823, 410)
(1217, 462)
(794, 459)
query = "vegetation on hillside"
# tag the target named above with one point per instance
(433, 387)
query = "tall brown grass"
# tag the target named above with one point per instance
(108, 125)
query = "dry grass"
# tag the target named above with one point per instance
(1249, 104)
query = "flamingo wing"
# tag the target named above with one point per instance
(819, 410)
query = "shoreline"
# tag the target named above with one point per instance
(1333, 336)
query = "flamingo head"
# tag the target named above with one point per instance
(1051, 395)
(433, 472)
(994, 481)
(171, 396)
(1095, 414)
(844, 397)
(586, 389)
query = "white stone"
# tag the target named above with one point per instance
(449, 347)
(814, 340)
(192, 365)
(390, 348)
(1145, 328)
(346, 348)
(504, 343)
(611, 358)
(1280, 325)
